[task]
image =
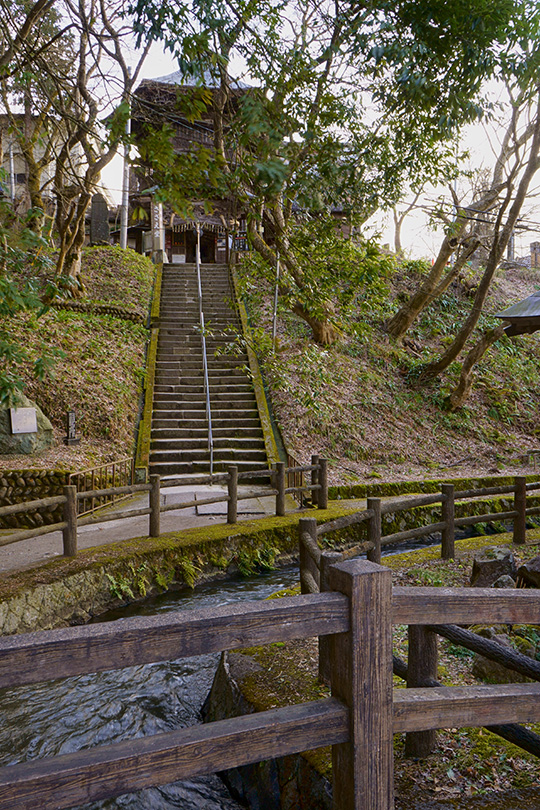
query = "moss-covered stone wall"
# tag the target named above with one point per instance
(18, 486)
(385, 489)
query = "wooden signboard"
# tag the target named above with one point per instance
(23, 420)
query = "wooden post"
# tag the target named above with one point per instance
(69, 534)
(232, 490)
(315, 480)
(448, 517)
(374, 530)
(308, 526)
(154, 502)
(322, 500)
(361, 677)
(328, 558)
(421, 667)
(520, 505)
(280, 486)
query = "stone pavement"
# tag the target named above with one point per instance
(36, 550)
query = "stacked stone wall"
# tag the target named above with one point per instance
(18, 486)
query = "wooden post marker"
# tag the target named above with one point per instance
(421, 668)
(307, 526)
(322, 500)
(448, 517)
(232, 489)
(520, 505)
(328, 558)
(361, 677)
(69, 534)
(374, 530)
(154, 499)
(315, 480)
(280, 486)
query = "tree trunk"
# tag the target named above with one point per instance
(324, 332)
(403, 320)
(502, 234)
(460, 393)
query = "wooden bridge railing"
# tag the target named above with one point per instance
(356, 616)
(72, 498)
(310, 532)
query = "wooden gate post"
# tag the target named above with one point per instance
(374, 530)
(421, 668)
(322, 500)
(232, 490)
(69, 534)
(448, 517)
(361, 676)
(154, 502)
(328, 558)
(280, 486)
(520, 505)
(315, 480)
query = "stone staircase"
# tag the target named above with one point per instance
(179, 438)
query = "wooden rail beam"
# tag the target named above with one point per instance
(107, 771)
(465, 606)
(34, 657)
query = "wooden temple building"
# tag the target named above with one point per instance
(159, 101)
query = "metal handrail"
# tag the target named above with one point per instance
(205, 361)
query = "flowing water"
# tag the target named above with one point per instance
(58, 717)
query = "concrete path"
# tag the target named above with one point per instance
(36, 550)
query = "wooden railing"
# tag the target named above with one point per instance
(310, 552)
(71, 498)
(355, 616)
(106, 477)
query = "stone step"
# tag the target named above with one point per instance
(232, 431)
(196, 443)
(193, 421)
(232, 455)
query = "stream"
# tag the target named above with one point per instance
(66, 715)
(62, 716)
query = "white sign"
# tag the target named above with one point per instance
(23, 420)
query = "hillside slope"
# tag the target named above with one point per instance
(359, 403)
(98, 361)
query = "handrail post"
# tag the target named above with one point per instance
(315, 480)
(374, 530)
(306, 526)
(328, 558)
(448, 516)
(69, 534)
(280, 486)
(322, 500)
(421, 668)
(520, 506)
(232, 490)
(361, 677)
(154, 502)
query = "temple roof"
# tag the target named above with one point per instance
(206, 79)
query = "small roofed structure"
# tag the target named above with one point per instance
(524, 316)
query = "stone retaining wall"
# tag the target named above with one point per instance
(18, 486)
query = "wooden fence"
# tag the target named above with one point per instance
(311, 574)
(355, 616)
(71, 498)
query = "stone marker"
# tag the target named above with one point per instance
(99, 221)
(24, 442)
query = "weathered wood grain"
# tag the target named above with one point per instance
(465, 606)
(409, 503)
(34, 657)
(107, 771)
(361, 676)
(482, 492)
(421, 670)
(69, 513)
(448, 517)
(344, 522)
(24, 534)
(374, 530)
(232, 494)
(470, 520)
(31, 506)
(106, 518)
(409, 534)
(465, 706)
(129, 489)
(520, 507)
